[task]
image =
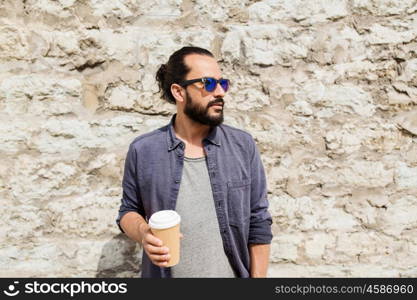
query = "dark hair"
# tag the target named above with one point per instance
(175, 70)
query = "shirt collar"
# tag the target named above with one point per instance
(173, 141)
(213, 136)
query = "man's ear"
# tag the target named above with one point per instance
(178, 92)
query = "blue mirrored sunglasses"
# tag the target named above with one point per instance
(210, 83)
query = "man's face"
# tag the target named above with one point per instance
(202, 106)
(201, 113)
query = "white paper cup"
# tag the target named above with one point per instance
(165, 225)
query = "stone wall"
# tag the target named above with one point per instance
(327, 87)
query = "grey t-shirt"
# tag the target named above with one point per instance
(202, 253)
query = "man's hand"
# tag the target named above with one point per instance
(136, 228)
(158, 254)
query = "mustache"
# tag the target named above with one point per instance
(215, 101)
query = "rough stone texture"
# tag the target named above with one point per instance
(328, 89)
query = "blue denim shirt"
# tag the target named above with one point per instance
(152, 178)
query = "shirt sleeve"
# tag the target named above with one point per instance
(260, 220)
(131, 200)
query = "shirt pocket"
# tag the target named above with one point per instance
(238, 201)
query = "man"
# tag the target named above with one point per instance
(210, 173)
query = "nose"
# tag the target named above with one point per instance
(219, 91)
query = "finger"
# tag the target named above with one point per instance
(156, 250)
(159, 258)
(181, 235)
(152, 240)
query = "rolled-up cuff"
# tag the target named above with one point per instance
(260, 232)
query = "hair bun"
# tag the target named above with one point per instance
(163, 68)
(160, 76)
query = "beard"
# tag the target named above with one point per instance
(200, 114)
